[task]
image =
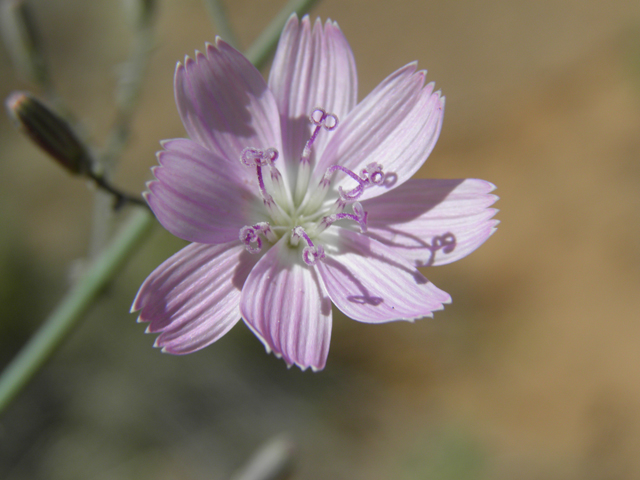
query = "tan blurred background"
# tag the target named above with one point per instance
(532, 373)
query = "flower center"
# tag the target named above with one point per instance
(305, 214)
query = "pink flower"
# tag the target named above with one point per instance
(295, 197)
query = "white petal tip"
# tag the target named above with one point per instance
(217, 44)
(491, 187)
(304, 368)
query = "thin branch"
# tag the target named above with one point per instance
(261, 50)
(69, 312)
(44, 343)
(120, 198)
(221, 24)
(272, 461)
(127, 99)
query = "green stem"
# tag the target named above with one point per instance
(43, 344)
(65, 317)
(128, 94)
(218, 14)
(266, 43)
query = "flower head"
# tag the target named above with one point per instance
(296, 197)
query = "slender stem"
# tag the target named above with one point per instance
(121, 198)
(218, 14)
(128, 94)
(43, 344)
(69, 312)
(127, 99)
(266, 43)
(272, 461)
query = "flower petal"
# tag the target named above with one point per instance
(225, 104)
(433, 222)
(311, 69)
(283, 303)
(396, 125)
(193, 297)
(197, 198)
(370, 283)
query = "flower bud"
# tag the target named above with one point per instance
(49, 131)
(23, 42)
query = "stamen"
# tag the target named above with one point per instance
(311, 253)
(321, 119)
(359, 216)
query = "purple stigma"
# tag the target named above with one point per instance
(358, 215)
(373, 173)
(250, 236)
(252, 241)
(254, 157)
(321, 119)
(311, 253)
(369, 176)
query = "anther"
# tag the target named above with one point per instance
(311, 253)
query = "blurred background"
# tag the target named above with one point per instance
(533, 372)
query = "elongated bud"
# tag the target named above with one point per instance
(49, 131)
(23, 42)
